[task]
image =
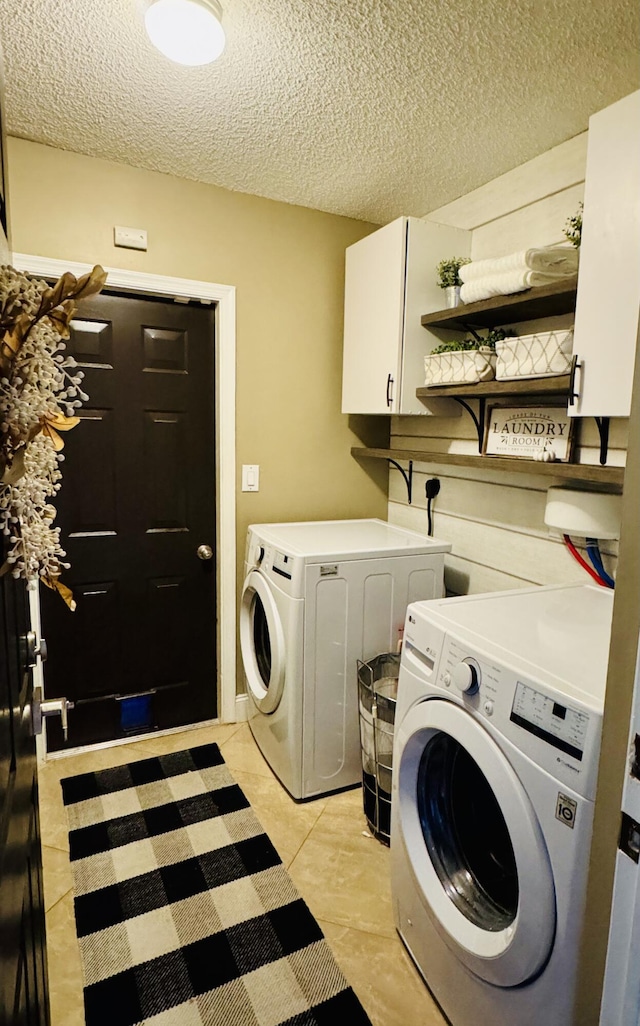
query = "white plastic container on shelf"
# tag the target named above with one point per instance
(541, 355)
(460, 367)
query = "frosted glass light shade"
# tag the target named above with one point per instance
(187, 31)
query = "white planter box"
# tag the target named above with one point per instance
(460, 367)
(534, 356)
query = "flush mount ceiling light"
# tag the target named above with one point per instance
(186, 31)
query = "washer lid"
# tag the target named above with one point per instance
(341, 539)
(474, 844)
(561, 632)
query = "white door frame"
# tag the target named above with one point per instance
(224, 296)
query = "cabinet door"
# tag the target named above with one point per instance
(427, 243)
(607, 304)
(390, 281)
(373, 318)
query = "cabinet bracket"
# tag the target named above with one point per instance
(603, 430)
(479, 419)
(407, 475)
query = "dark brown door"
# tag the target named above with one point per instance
(23, 966)
(137, 501)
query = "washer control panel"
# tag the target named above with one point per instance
(466, 676)
(556, 733)
(283, 569)
(557, 724)
(540, 714)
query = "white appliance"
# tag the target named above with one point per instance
(317, 597)
(621, 990)
(496, 744)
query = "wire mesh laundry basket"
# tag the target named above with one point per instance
(377, 691)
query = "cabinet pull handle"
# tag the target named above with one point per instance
(389, 384)
(573, 395)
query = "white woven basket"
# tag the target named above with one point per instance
(460, 367)
(534, 356)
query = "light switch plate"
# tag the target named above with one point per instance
(129, 238)
(250, 477)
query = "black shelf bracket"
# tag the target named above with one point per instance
(479, 419)
(603, 424)
(407, 475)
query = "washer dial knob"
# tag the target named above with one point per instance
(466, 677)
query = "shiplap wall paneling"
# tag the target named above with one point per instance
(537, 224)
(551, 172)
(517, 506)
(497, 530)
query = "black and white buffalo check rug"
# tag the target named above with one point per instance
(185, 914)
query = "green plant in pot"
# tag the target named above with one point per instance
(572, 230)
(465, 360)
(449, 278)
(475, 341)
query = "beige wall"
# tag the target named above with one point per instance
(287, 264)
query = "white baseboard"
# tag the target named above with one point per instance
(242, 708)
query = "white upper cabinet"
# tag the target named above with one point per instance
(608, 299)
(390, 281)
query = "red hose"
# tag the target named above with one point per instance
(574, 552)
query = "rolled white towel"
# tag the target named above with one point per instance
(503, 284)
(560, 261)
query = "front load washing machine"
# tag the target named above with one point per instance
(317, 597)
(496, 745)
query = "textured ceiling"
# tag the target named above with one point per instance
(369, 108)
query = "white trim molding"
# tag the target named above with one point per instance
(224, 296)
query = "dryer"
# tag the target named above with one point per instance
(318, 596)
(496, 746)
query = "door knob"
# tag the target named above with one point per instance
(53, 707)
(204, 552)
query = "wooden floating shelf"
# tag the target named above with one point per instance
(585, 472)
(533, 387)
(546, 301)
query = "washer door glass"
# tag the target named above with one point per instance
(262, 643)
(473, 843)
(466, 834)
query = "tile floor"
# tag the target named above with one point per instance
(340, 872)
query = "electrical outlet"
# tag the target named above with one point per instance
(129, 238)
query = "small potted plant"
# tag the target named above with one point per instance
(465, 361)
(449, 278)
(572, 230)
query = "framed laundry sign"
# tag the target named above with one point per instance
(542, 433)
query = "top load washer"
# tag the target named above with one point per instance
(496, 749)
(318, 596)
